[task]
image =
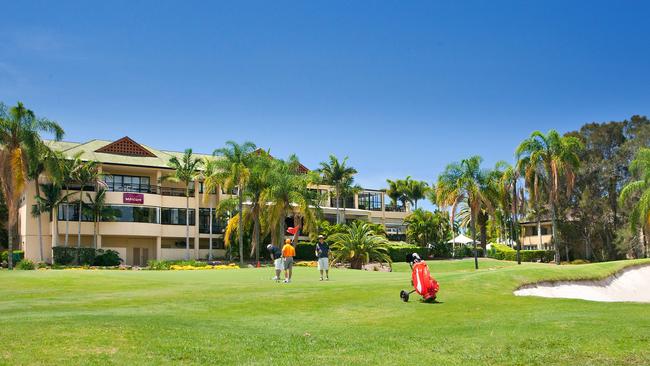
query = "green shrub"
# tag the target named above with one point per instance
(441, 250)
(467, 251)
(503, 252)
(165, 265)
(71, 255)
(159, 265)
(107, 258)
(26, 265)
(579, 261)
(18, 255)
(398, 251)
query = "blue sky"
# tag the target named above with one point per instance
(401, 87)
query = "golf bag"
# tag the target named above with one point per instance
(421, 279)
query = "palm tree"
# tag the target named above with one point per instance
(19, 134)
(416, 190)
(41, 159)
(335, 173)
(68, 168)
(348, 190)
(280, 196)
(394, 191)
(258, 182)
(49, 203)
(97, 208)
(185, 172)
(210, 186)
(639, 189)
(555, 159)
(87, 174)
(234, 171)
(464, 182)
(359, 244)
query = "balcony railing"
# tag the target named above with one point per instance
(138, 188)
(395, 209)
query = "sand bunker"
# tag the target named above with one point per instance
(630, 284)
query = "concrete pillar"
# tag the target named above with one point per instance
(356, 201)
(158, 248)
(99, 241)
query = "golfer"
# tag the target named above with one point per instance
(276, 256)
(322, 253)
(288, 252)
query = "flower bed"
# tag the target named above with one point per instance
(176, 267)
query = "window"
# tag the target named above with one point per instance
(176, 216)
(72, 213)
(218, 222)
(128, 183)
(370, 201)
(345, 202)
(120, 214)
(148, 215)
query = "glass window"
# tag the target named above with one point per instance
(176, 216)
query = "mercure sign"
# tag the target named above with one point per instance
(133, 198)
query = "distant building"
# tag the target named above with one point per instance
(534, 237)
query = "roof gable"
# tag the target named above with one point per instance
(126, 146)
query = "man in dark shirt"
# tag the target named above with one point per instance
(322, 253)
(276, 256)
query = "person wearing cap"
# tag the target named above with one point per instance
(276, 256)
(322, 253)
(288, 252)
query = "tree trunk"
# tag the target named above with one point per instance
(256, 236)
(40, 229)
(539, 231)
(566, 249)
(10, 247)
(66, 216)
(338, 204)
(210, 234)
(81, 195)
(241, 225)
(556, 249)
(187, 223)
(473, 226)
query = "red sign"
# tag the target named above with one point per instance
(133, 198)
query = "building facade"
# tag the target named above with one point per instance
(536, 236)
(152, 211)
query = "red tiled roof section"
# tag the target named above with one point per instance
(125, 146)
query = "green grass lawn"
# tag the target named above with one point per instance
(242, 317)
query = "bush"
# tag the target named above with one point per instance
(166, 265)
(18, 255)
(26, 265)
(503, 252)
(465, 251)
(107, 258)
(441, 250)
(398, 251)
(69, 255)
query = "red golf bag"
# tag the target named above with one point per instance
(425, 285)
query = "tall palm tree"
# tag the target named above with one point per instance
(19, 133)
(395, 191)
(335, 173)
(210, 186)
(280, 196)
(234, 171)
(97, 208)
(464, 182)
(416, 190)
(639, 190)
(87, 174)
(348, 190)
(49, 203)
(68, 168)
(186, 171)
(41, 160)
(555, 159)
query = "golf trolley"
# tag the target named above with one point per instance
(421, 280)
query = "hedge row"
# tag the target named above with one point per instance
(18, 255)
(85, 256)
(465, 251)
(503, 252)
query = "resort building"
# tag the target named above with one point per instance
(152, 211)
(536, 237)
